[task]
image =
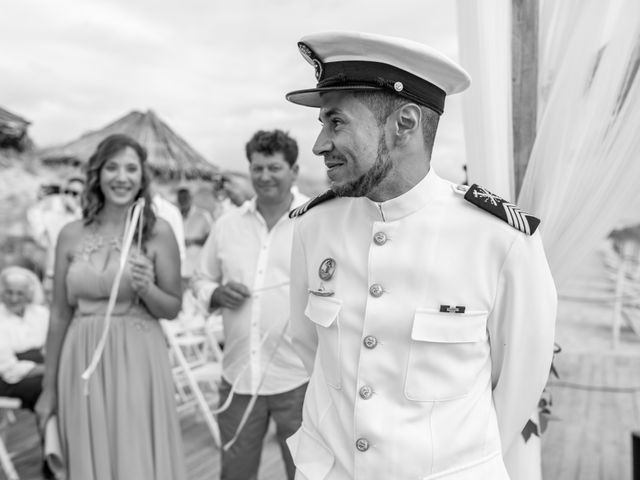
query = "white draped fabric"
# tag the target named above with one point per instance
(484, 32)
(585, 164)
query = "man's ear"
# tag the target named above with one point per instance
(295, 168)
(407, 121)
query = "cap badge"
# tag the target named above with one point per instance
(311, 57)
(327, 269)
(398, 86)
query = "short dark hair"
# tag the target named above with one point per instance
(271, 142)
(382, 104)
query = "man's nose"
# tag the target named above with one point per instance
(264, 174)
(322, 145)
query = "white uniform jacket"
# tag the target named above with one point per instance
(400, 390)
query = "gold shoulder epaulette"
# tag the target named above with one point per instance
(499, 207)
(302, 209)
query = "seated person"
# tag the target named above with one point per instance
(23, 330)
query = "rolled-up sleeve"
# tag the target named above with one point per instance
(521, 328)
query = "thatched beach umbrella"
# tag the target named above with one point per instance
(170, 156)
(13, 131)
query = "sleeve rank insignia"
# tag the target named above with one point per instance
(504, 210)
(302, 209)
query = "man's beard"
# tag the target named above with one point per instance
(369, 180)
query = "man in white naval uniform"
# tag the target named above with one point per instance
(423, 310)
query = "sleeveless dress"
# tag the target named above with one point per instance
(121, 425)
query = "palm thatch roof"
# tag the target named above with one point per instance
(13, 130)
(169, 155)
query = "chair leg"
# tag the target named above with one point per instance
(7, 464)
(618, 300)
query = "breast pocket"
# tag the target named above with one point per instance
(324, 312)
(447, 354)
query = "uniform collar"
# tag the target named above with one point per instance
(425, 191)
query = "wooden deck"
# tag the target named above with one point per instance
(203, 459)
(592, 441)
(597, 398)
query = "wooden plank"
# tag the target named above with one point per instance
(524, 84)
(202, 458)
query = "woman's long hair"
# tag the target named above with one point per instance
(93, 196)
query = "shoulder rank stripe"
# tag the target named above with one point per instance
(302, 209)
(505, 211)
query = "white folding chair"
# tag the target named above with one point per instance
(197, 368)
(7, 405)
(626, 288)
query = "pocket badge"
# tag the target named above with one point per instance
(327, 269)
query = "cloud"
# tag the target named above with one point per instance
(215, 71)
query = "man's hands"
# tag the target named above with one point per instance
(232, 295)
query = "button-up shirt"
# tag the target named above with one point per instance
(241, 248)
(18, 335)
(430, 340)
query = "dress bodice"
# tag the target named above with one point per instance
(89, 283)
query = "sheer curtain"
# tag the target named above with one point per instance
(484, 32)
(585, 164)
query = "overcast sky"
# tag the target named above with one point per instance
(215, 71)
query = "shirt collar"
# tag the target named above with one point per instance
(427, 190)
(250, 206)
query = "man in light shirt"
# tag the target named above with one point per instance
(196, 222)
(163, 208)
(23, 330)
(244, 272)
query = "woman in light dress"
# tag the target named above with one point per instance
(121, 423)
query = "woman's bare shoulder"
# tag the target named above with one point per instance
(72, 231)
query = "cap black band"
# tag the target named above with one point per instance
(381, 75)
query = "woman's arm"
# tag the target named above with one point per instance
(162, 297)
(61, 315)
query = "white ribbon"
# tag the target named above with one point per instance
(254, 396)
(129, 231)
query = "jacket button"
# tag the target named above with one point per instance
(379, 238)
(370, 342)
(375, 290)
(362, 444)
(366, 392)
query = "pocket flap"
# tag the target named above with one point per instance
(433, 326)
(310, 455)
(322, 310)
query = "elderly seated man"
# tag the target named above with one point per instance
(23, 330)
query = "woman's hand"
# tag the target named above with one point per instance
(142, 272)
(46, 406)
